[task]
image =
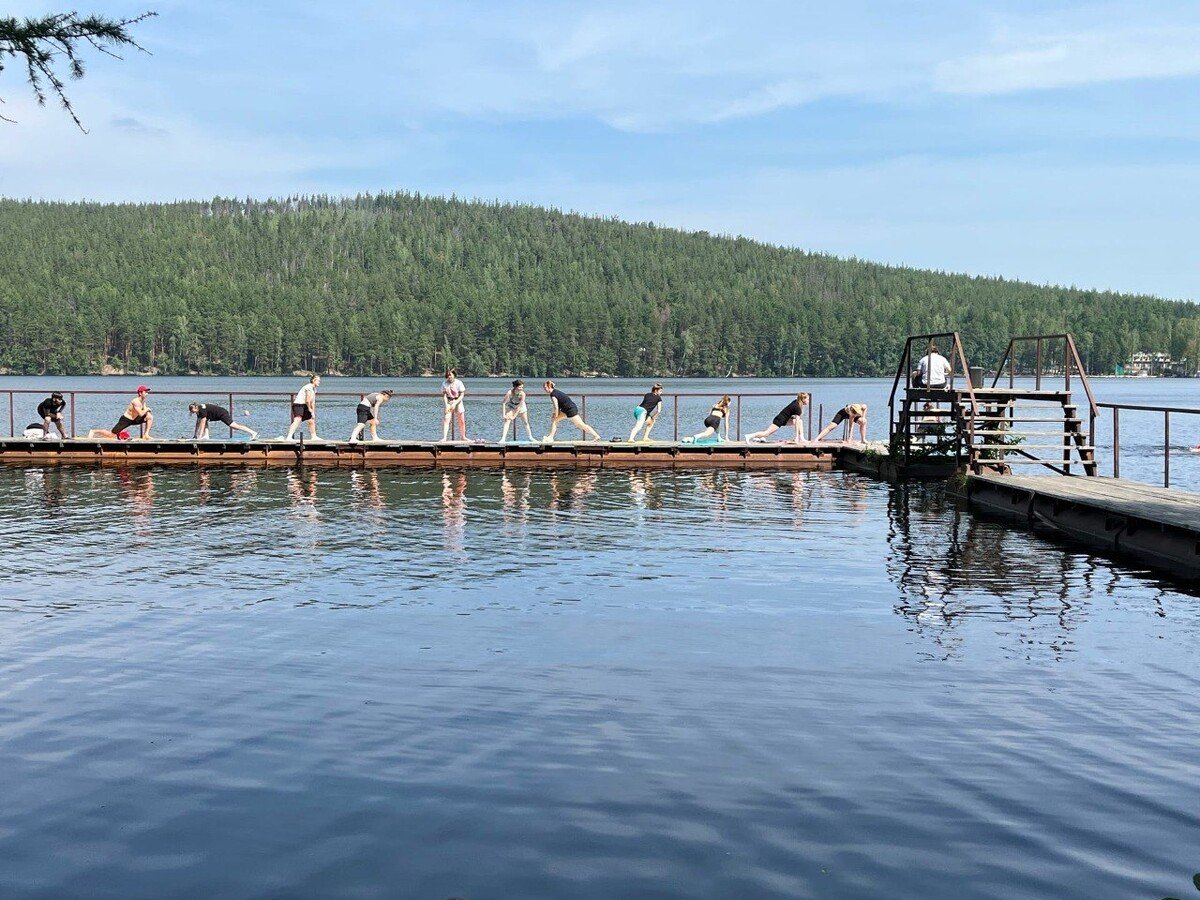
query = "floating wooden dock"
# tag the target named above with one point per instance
(426, 454)
(1158, 526)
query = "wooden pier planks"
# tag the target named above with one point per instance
(1158, 526)
(425, 454)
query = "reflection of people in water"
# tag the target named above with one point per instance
(302, 485)
(365, 484)
(454, 507)
(642, 490)
(138, 487)
(515, 499)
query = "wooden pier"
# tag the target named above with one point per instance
(1158, 526)
(776, 455)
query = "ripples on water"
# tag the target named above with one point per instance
(342, 683)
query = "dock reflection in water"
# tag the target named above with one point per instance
(587, 684)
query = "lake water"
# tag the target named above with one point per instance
(335, 683)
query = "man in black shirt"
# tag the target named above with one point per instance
(210, 412)
(51, 411)
(565, 410)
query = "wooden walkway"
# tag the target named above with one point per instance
(1158, 526)
(776, 455)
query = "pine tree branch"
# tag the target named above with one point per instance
(42, 43)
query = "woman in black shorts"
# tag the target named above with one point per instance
(855, 414)
(717, 416)
(210, 412)
(792, 414)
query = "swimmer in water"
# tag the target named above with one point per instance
(645, 414)
(792, 414)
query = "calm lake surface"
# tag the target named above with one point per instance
(328, 683)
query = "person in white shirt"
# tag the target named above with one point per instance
(453, 392)
(933, 369)
(304, 408)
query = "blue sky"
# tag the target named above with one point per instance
(1055, 142)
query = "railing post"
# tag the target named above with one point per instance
(739, 417)
(1038, 383)
(1067, 362)
(232, 414)
(1166, 449)
(675, 416)
(583, 408)
(72, 414)
(12, 416)
(1116, 442)
(1012, 368)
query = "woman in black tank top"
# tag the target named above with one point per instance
(717, 416)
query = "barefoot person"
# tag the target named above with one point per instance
(453, 392)
(792, 414)
(210, 412)
(855, 414)
(136, 413)
(304, 408)
(563, 409)
(50, 411)
(512, 407)
(367, 413)
(717, 417)
(646, 413)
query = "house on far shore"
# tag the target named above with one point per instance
(1154, 365)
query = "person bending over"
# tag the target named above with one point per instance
(367, 413)
(514, 407)
(855, 414)
(210, 412)
(564, 410)
(645, 414)
(304, 408)
(792, 414)
(136, 413)
(717, 416)
(50, 411)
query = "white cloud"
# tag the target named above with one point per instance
(1071, 60)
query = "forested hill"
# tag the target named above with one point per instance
(397, 284)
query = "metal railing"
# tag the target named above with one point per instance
(958, 367)
(1166, 412)
(1071, 361)
(284, 398)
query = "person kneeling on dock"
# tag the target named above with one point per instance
(210, 412)
(50, 411)
(136, 413)
(565, 410)
(712, 423)
(304, 408)
(646, 413)
(792, 414)
(368, 413)
(855, 414)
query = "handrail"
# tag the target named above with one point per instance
(1138, 407)
(283, 395)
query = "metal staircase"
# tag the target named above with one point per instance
(998, 427)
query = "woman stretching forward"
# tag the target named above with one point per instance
(793, 414)
(717, 416)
